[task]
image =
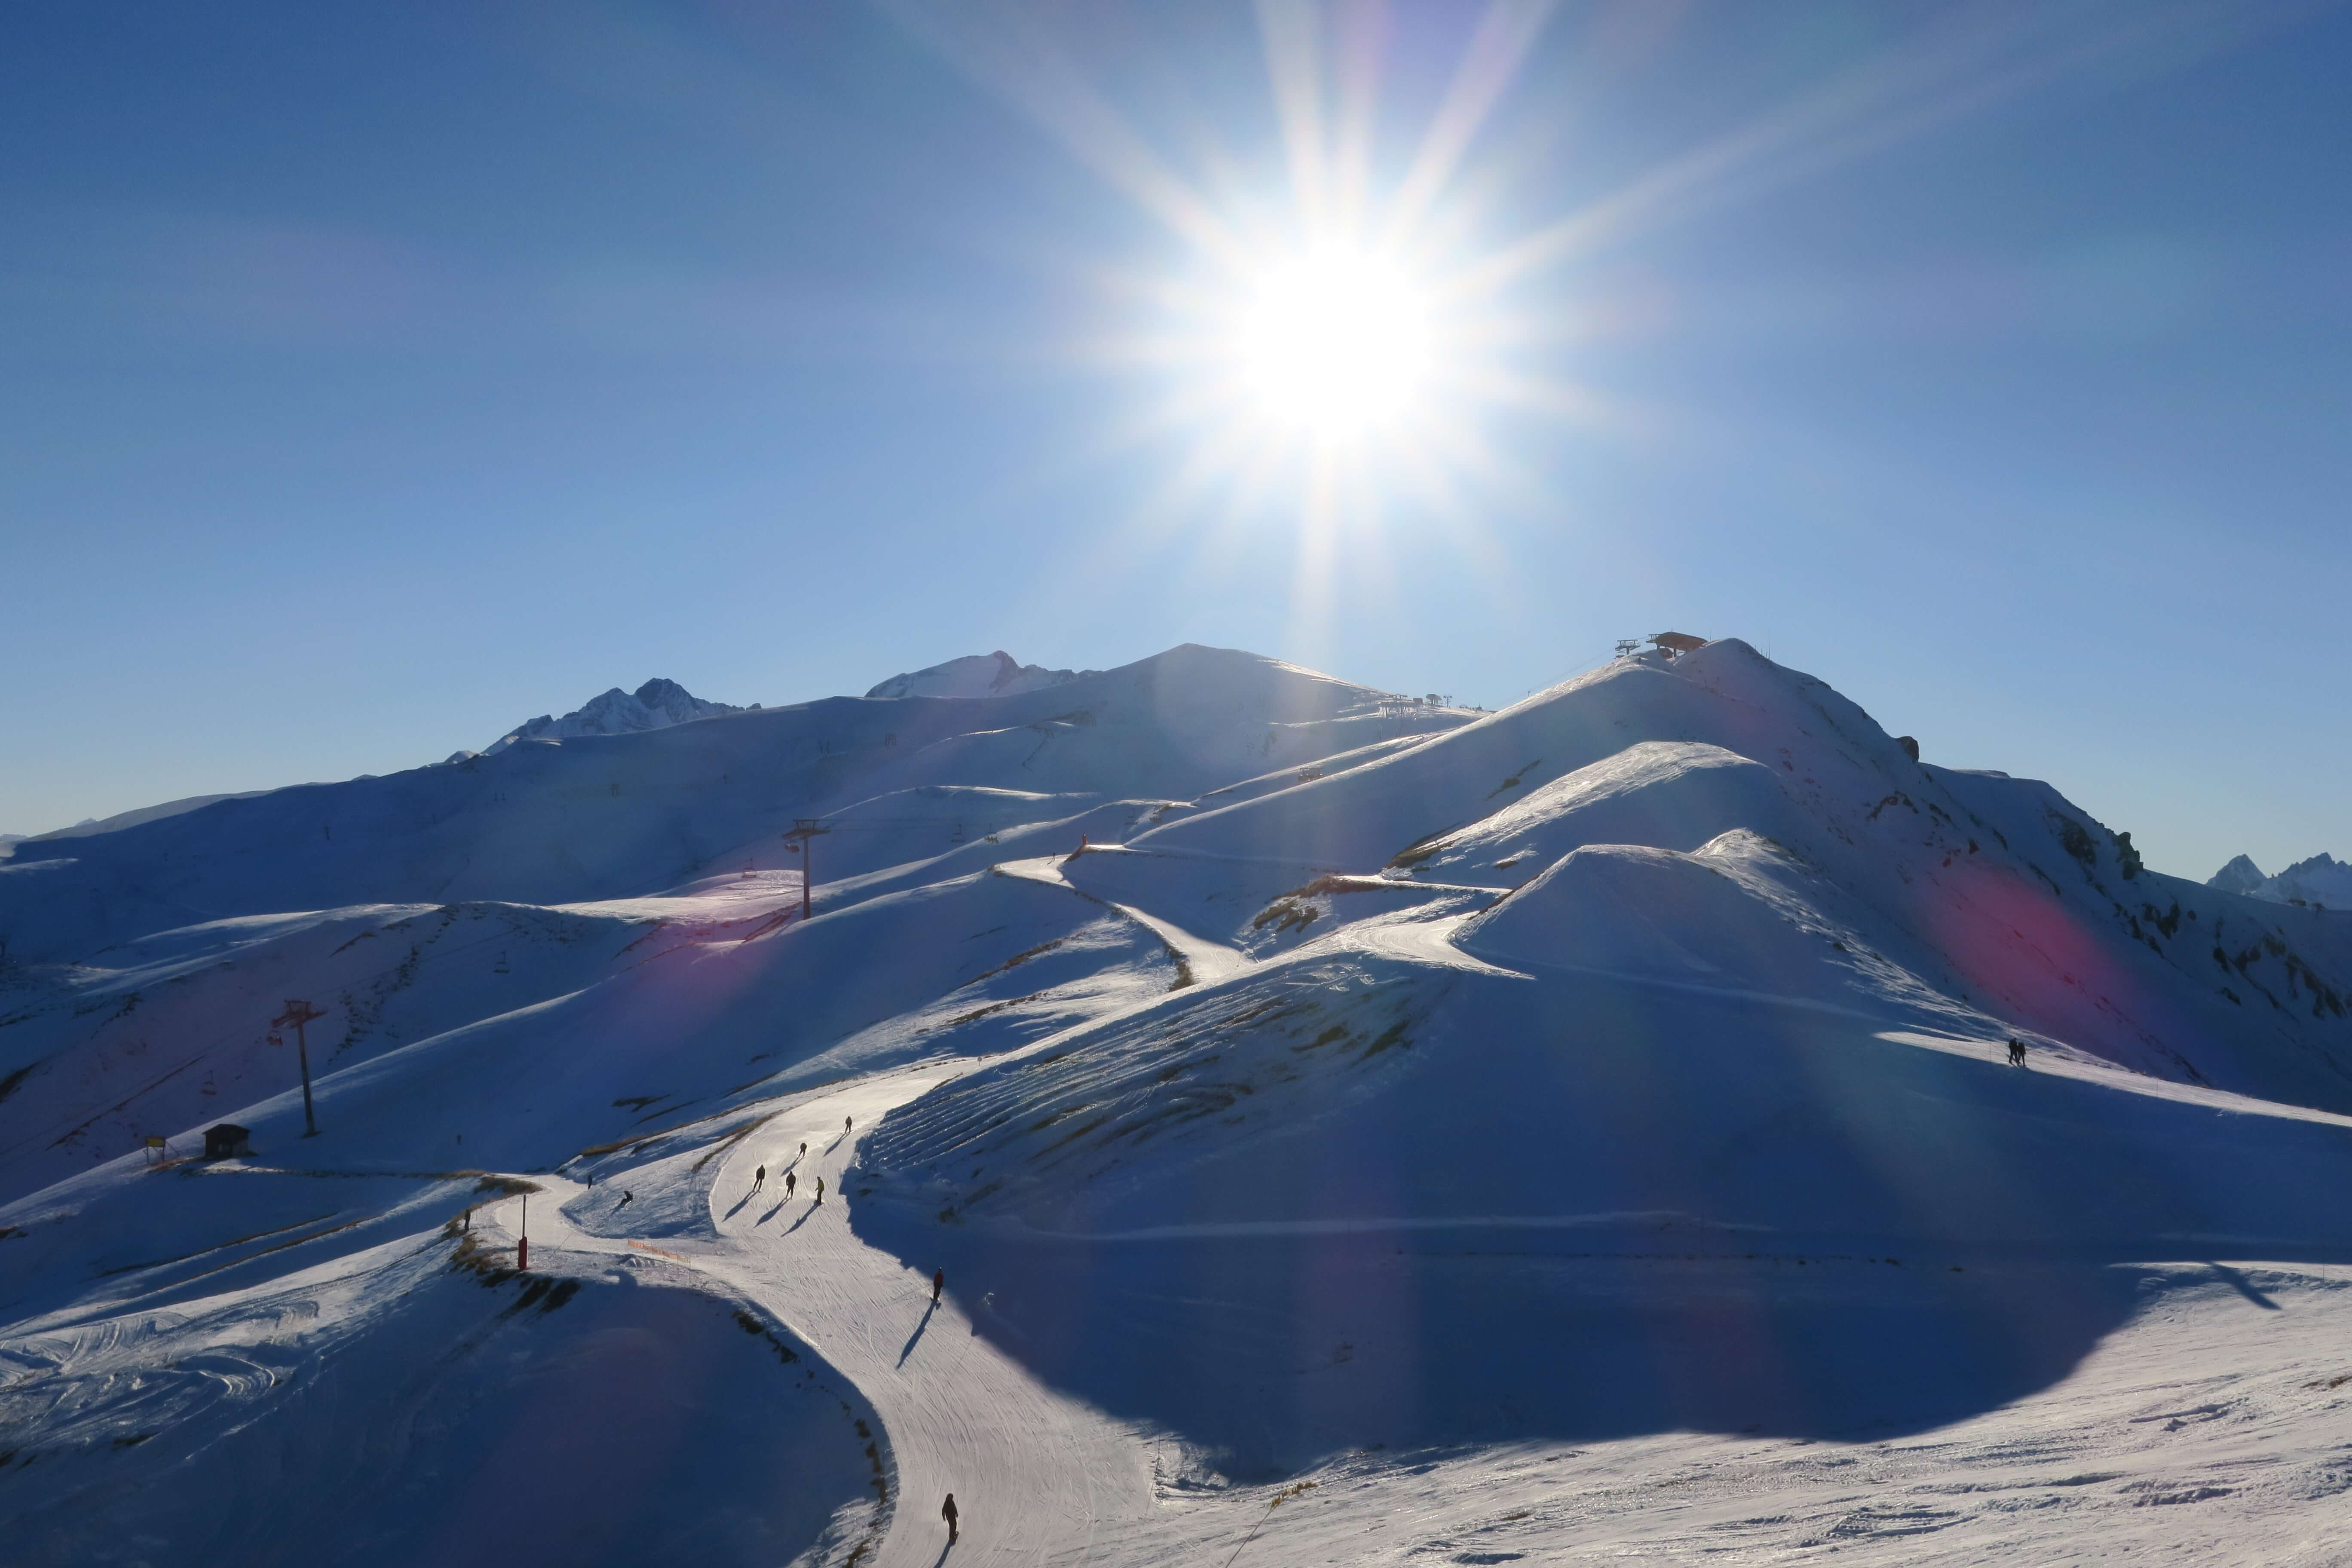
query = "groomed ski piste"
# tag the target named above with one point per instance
(1351, 1131)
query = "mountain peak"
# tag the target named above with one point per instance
(2323, 881)
(656, 705)
(2240, 876)
(996, 674)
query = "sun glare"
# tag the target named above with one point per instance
(1334, 342)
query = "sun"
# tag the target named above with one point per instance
(1334, 342)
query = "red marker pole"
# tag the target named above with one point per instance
(522, 1248)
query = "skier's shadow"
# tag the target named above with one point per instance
(774, 1212)
(739, 1204)
(802, 1220)
(909, 1348)
(943, 1554)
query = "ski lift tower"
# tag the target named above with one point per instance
(1628, 646)
(804, 832)
(298, 1013)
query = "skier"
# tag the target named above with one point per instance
(939, 1283)
(948, 1513)
(759, 1178)
(627, 1197)
(789, 1184)
(803, 1151)
(2016, 1052)
(820, 1192)
(845, 1124)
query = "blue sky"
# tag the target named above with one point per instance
(372, 379)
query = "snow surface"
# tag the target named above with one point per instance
(1352, 1131)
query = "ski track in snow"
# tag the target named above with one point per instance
(1208, 960)
(1035, 1476)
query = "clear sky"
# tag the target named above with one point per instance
(372, 378)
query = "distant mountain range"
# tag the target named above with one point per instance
(656, 705)
(2322, 882)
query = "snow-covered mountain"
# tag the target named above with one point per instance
(656, 705)
(2321, 882)
(123, 819)
(997, 674)
(2240, 876)
(119, 820)
(1479, 1116)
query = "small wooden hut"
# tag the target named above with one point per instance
(227, 1140)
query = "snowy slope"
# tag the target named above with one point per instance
(599, 817)
(1265, 1150)
(1995, 897)
(472, 1419)
(121, 820)
(1476, 1116)
(171, 1030)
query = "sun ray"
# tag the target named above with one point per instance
(1023, 66)
(1357, 63)
(1967, 66)
(1506, 33)
(1291, 35)
(1313, 595)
